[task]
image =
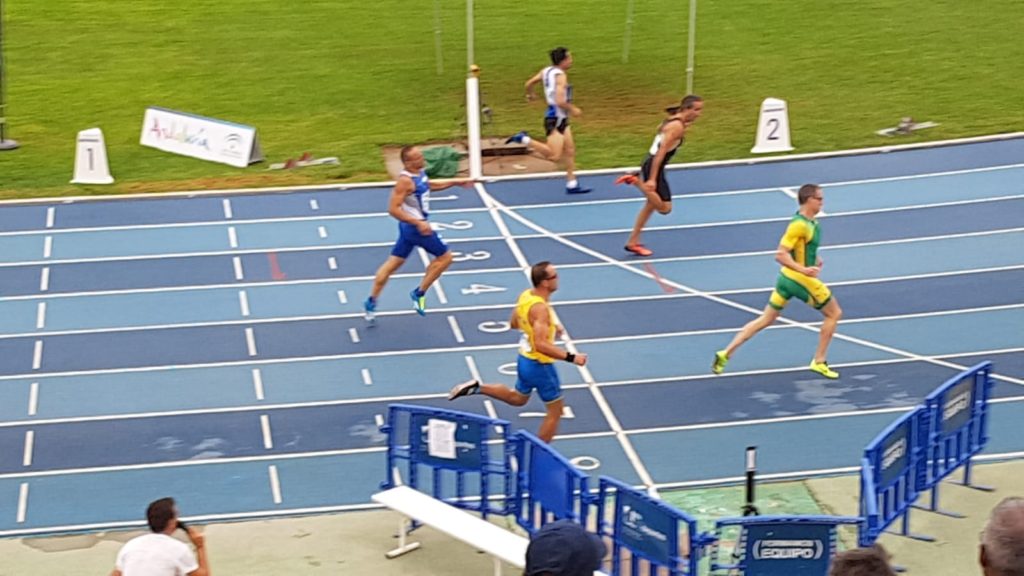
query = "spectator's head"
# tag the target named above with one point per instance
(872, 561)
(162, 515)
(1002, 542)
(564, 548)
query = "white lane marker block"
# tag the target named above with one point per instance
(50, 213)
(33, 398)
(268, 440)
(47, 246)
(243, 302)
(322, 231)
(275, 484)
(227, 209)
(367, 380)
(314, 205)
(250, 341)
(342, 297)
(30, 438)
(456, 329)
(22, 502)
(44, 279)
(332, 263)
(37, 355)
(354, 335)
(232, 237)
(238, 268)
(257, 383)
(41, 316)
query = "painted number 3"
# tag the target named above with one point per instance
(475, 255)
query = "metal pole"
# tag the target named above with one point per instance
(749, 508)
(692, 38)
(470, 60)
(439, 54)
(629, 32)
(5, 144)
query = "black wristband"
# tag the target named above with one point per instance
(570, 357)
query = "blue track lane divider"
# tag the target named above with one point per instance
(922, 448)
(777, 545)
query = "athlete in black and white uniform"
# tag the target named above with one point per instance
(651, 180)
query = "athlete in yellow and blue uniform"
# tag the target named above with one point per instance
(535, 365)
(798, 278)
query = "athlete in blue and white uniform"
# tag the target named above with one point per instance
(410, 205)
(558, 94)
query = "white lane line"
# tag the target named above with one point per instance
(47, 246)
(37, 355)
(232, 237)
(44, 279)
(367, 379)
(275, 484)
(495, 209)
(789, 192)
(243, 302)
(268, 441)
(342, 297)
(322, 231)
(22, 502)
(41, 316)
(314, 205)
(50, 213)
(237, 261)
(456, 330)
(257, 383)
(227, 209)
(491, 412)
(250, 341)
(354, 335)
(30, 438)
(33, 398)
(332, 263)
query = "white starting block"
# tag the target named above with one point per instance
(772, 128)
(91, 158)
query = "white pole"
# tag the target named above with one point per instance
(439, 55)
(629, 31)
(469, 35)
(692, 37)
(473, 126)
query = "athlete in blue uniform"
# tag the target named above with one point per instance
(651, 180)
(410, 205)
(558, 94)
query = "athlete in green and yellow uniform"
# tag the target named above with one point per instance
(798, 255)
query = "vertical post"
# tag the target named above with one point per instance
(749, 508)
(692, 46)
(629, 31)
(473, 125)
(470, 58)
(5, 144)
(438, 53)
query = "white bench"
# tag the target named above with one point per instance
(501, 544)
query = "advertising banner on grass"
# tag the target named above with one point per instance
(200, 137)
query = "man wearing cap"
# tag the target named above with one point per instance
(651, 179)
(564, 548)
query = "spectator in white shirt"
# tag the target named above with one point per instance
(159, 554)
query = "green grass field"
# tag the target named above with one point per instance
(343, 78)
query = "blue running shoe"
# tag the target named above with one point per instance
(370, 310)
(517, 138)
(419, 301)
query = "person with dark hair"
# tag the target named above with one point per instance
(651, 178)
(873, 561)
(1002, 542)
(564, 548)
(535, 366)
(558, 93)
(410, 205)
(159, 554)
(801, 265)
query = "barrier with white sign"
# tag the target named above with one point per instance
(200, 137)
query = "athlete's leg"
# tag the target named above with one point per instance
(552, 415)
(435, 269)
(763, 321)
(496, 391)
(553, 148)
(569, 155)
(383, 273)
(833, 313)
(641, 220)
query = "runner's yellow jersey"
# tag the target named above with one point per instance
(526, 344)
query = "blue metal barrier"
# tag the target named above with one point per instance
(458, 457)
(647, 535)
(779, 545)
(957, 428)
(889, 475)
(547, 486)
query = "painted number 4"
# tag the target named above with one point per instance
(477, 289)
